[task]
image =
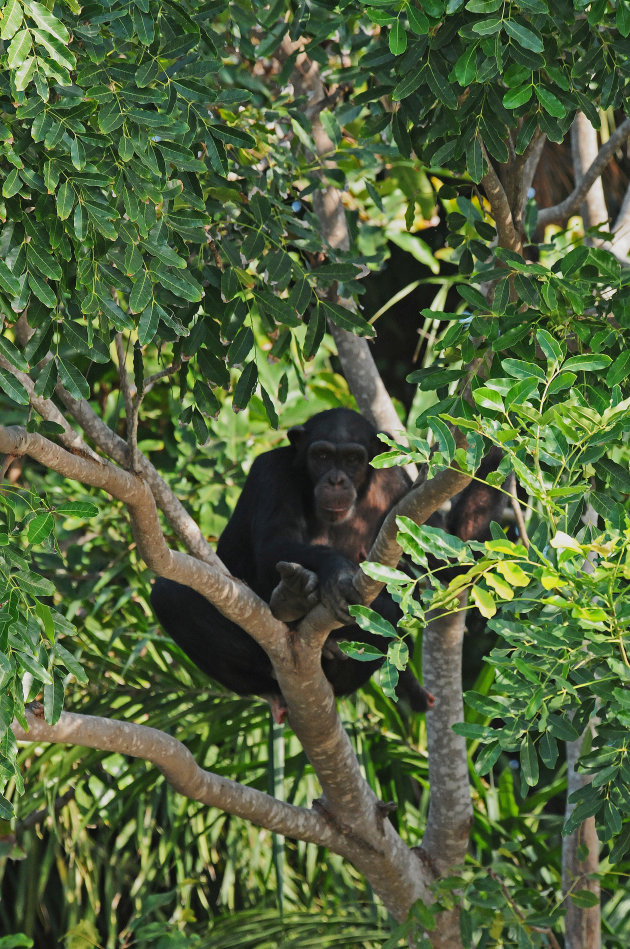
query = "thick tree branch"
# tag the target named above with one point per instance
(232, 597)
(131, 408)
(446, 836)
(528, 163)
(560, 212)
(582, 924)
(584, 151)
(180, 770)
(49, 411)
(115, 447)
(500, 206)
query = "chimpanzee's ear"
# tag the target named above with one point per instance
(295, 435)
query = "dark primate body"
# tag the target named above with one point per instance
(314, 508)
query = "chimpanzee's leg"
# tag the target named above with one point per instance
(217, 646)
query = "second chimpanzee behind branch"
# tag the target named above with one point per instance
(306, 518)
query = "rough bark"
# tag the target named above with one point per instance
(582, 926)
(446, 837)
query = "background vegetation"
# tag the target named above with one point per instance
(162, 182)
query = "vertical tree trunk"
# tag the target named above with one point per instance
(450, 809)
(582, 926)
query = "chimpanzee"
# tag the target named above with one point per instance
(306, 517)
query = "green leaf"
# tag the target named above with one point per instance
(65, 200)
(383, 573)
(499, 585)
(245, 386)
(417, 21)
(19, 49)
(46, 21)
(361, 651)
(550, 346)
(146, 73)
(148, 324)
(12, 184)
(549, 102)
(13, 388)
(574, 260)
(77, 154)
(587, 363)
(443, 434)
(585, 899)
(181, 283)
(347, 319)
(398, 654)
(53, 698)
(562, 381)
(529, 761)
(71, 664)
(42, 291)
(619, 369)
(548, 749)
(371, 621)
(73, 380)
(523, 36)
(520, 369)
(514, 98)
(142, 293)
(514, 574)
(488, 399)
(466, 66)
(8, 282)
(24, 73)
(40, 527)
(488, 757)
(164, 253)
(521, 391)
(484, 601)
(34, 584)
(39, 259)
(397, 39)
(31, 665)
(77, 509)
(474, 159)
(59, 53)
(10, 352)
(435, 541)
(46, 380)
(11, 19)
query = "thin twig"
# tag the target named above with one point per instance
(169, 371)
(518, 514)
(560, 212)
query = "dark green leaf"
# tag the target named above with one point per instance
(142, 292)
(72, 379)
(40, 527)
(245, 386)
(13, 388)
(523, 36)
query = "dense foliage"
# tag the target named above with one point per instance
(160, 180)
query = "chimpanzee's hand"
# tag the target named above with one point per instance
(296, 594)
(338, 592)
